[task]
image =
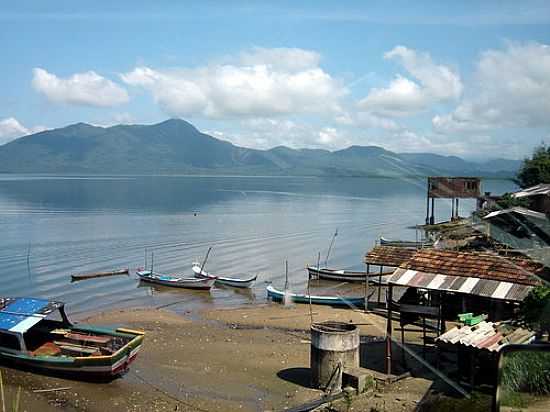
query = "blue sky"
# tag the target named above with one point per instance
(447, 77)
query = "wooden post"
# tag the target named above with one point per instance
(380, 283)
(367, 288)
(428, 208)
(432, 218)
(286, 275)
(456, 209)
(452, 209)
(389, 330)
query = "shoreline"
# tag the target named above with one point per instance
(253, 358)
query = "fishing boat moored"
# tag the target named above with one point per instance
(345, 275)
(406, 243)
(281, 295)
(224, 280)
(31, 338)
(175, 281)
(85, 276)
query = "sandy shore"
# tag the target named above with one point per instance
(247, 359)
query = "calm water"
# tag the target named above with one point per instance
(53, 227)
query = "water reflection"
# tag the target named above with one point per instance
(54, 227)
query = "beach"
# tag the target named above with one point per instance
(253, 358)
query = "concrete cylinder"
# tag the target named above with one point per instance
(334, 346)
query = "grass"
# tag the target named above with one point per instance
(15, 404)
(527, 372)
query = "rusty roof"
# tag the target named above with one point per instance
(389, 255)
(476, 265)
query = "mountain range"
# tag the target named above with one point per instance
(177, 147)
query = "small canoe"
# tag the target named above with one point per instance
(224, 280)
(343, 275)
(279, 296)
(38, 336)
(175, 281)
(405, 243)
(85, 276)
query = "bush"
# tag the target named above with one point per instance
(535, 309)
(527, 372)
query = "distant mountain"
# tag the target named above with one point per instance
(177, 147)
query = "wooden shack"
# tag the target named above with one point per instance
(453, 188)
(451, 282)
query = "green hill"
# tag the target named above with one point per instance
(177, 147)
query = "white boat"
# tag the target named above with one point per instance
(224, 280)
(175, 281)
(281, 295)
(344, 275)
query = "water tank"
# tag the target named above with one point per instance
(334, 346)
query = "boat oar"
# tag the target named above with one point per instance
(330, 247)
(205, 259)
(286, 275)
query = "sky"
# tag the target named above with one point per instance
(461, 78)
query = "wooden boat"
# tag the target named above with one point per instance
(279, 296)
(31, 339)
(344, 275)
(405, 243)
(84, 276)
(175, 281)
(229, 281)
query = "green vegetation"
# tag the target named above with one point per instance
(527, 372)
(536, 169)
(535, 309)
(177, 147)
(507, 201)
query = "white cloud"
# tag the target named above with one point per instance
(434, 83)
(11, 129)
(87, 89)
(287, 59)
(265, 133)
(263, 83)
(512, 89)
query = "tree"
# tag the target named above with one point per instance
(535, 308)
(535, 170)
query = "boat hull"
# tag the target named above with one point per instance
(343, 275)
(103, 368)
(176, 282)
(233, 282)
(405, 243)
(280, 296)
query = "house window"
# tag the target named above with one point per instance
(9, 341)
(470, 185)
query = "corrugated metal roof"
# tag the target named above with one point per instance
(486, 336)
(460, 284)
(519, 210)
(19, 315)
(542, 189)
(389, 255)
(476, 265)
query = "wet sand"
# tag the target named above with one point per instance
(248, 359)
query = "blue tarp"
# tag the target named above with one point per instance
(19, 310)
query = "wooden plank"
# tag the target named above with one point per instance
(85, 276)
(79, 337)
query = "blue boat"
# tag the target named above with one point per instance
(280, 296)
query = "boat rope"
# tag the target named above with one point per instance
(167, 394)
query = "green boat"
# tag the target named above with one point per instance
(35, 334)
(282, 296)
